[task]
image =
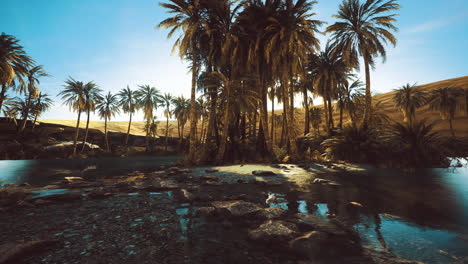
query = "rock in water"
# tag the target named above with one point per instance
(236, 208)
(263, 173)
(270, 213)
(271, 199)
(274, 232)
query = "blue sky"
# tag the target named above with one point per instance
(114, 43)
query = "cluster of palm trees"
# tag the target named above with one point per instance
(243, 52)
(19, 73)
(446, 101)
(88, 98)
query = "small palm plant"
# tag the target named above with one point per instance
(74, 96)
(408, 99)
(107, 108)
(129, 104)
(445, 101)
(181, 112)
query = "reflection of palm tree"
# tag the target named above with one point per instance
(107, 108)
(92, 96)
(408, 99)
(445, 101)
(361, 31)
(74, 97)
(128, 101)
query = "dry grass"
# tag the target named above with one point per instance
(460, 123)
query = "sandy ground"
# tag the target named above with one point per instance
(460, 123)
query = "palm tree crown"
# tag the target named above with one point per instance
(408, 99)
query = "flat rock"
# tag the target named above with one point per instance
(274, 232)
(270, 213)
(263, 173)
(236, 208)
(206, 211)
(310, 221)
(211, 170)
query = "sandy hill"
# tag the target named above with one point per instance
(460, 123)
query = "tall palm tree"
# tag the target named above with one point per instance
(289, 38)
(92, 95)
(166, 103)
(14, 64)
(349, 92)
(329, 73)
(148, 99)
(362, 30)
(445, 100)
(40, 105)
(74, 96)
(407, 98)
(31, 89)
(107, 108)
(181, 112)
(129, 104)
(188, 17)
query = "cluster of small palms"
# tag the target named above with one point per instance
(446, 101)
(19, 72)
(247, 51)
(87, 98)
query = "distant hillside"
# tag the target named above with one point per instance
(460, 123)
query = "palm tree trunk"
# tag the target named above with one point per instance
(2, 95)
(26, 113)
(34, 122)
(86, 131)
(224, 135)
(167, 132)
(289, 123)
(273, 119)
(306, 111)
(128, 130)
(105, 134)
(202, 128)
(367, 111)
(77, 130)
(264, 120)
(341, 117)
(451, 127)
(330, 113)
(193, 119)
(254, 130)
(147, 134)
(178, 127)
(325, 110)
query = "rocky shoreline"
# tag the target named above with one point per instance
(171, 215)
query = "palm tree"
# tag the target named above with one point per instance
(188, 17)
(129, 104)
(289, 38)
(107, 108)
(74, 96)
(407, 98)
(31, 89)
(348, 93)
(40, 105)
(445, 100)
(316, 114)
(148, 99)
(181, 112)
(166, 102)
(14, 63)
(92, 95)
(362, 30)
(329, 73)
